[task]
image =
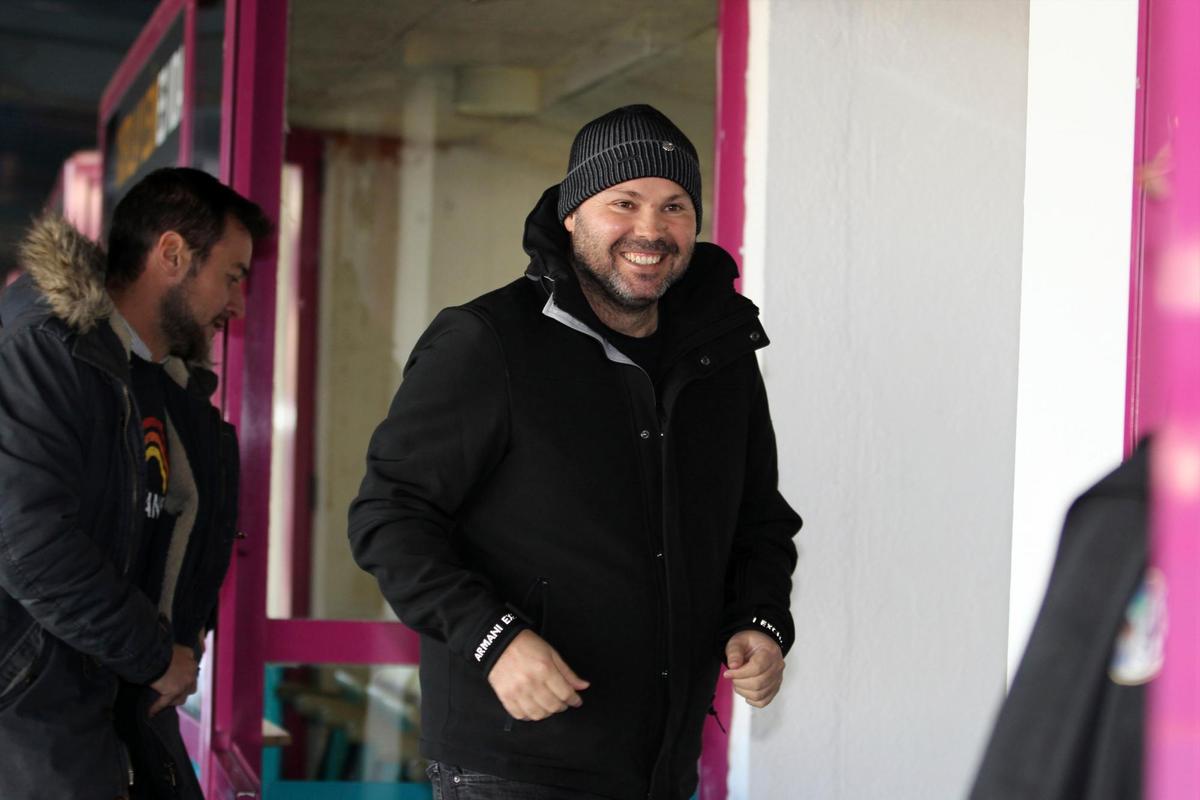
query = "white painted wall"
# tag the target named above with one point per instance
(891, 259)
(1075, 278)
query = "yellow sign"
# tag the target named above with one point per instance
(152, 120)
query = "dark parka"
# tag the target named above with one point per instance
(530, 475)
(73, 626)
(1071, 727)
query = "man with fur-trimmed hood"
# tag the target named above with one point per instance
(118, 487)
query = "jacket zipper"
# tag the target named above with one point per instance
(129, 544)
(662, 421)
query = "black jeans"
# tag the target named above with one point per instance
(451, 783)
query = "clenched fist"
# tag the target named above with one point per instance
(755, 666)
(532, 680)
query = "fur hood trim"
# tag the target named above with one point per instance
(68, 269)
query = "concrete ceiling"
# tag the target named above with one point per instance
(521, 75)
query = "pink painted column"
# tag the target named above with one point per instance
(733, 25)
(1165, 376)
(252, 163)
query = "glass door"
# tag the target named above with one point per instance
(419, 134)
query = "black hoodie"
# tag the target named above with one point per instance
(530, 475)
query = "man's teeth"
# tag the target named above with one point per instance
(643, 259)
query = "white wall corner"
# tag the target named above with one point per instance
(1074, 277)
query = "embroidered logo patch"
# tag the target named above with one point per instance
(1138, 651)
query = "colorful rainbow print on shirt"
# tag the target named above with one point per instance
(158, 466)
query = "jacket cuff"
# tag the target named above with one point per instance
(163, 662)
(764, 625)
(778, 629)
(495, 638)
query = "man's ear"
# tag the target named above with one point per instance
(569, 222)
(171, 255)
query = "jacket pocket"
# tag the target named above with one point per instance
(159, 760)
(535, 609)
(537, 601)
(19, 664)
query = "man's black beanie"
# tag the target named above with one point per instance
(627, 143)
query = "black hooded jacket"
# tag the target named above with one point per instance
(1071, 727)
(72, 474)
(528, 474)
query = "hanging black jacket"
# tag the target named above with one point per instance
(73, 624)
(1071, 726)
(530, 475)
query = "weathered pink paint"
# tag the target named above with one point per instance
(189, 730)
(187, 124)
(729, 160)
(1165, 376)
(255, 63)
(321, 641)
(79, 192)
(232, 777)
(1132, 370)
(729, 214)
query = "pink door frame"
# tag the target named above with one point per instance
(1164, 372)
(729, 186)
(252, 116)
(229, 739)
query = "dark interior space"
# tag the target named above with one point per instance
(56, 56)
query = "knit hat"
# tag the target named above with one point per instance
(627, 143)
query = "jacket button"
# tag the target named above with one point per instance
(755, 336)
(664, 673)
(645, 434)
(705, 361)
(658, 555)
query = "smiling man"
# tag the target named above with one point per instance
(574, 495)
(118, 487)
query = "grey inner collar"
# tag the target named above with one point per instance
(556, 312)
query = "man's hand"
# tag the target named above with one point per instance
(178, 681)
(755, 666)
(532, 680)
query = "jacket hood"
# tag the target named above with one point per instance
(703, 295)
(64, 278)
(67, 270)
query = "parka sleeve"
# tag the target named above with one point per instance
(446, 430)
(758, 583)
(47, 561)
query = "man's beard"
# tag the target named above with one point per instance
(186, 337)
(597, 268)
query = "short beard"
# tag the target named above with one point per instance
(606, 278)
(186, 337)
(607, 287)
